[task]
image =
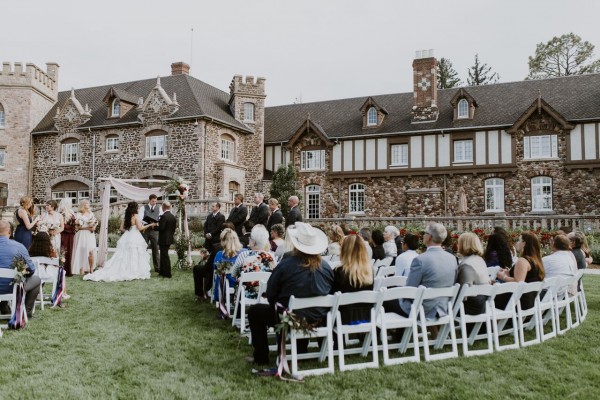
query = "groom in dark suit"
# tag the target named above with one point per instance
(166, 231)
(151, 214)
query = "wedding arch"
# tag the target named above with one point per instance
(134, 193)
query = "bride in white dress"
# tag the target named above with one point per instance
(131, 259)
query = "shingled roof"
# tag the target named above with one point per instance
(500, 105)
(196, 99)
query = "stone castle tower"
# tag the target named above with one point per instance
(26, 95)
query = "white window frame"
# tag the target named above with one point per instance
(541, 193)
(153, 146)
(494, 195)
(399, 155)
(356, 198)
(115, 109)
(372, 117)
(2, 116)
(249, 109)
(312, 160)
(540, 147)
(462, 107)
(82, 195)
(227, 149)
(313, 201)
(2, 157)
(112, 143)
(58, 195)
(69, 153)
(463, 151)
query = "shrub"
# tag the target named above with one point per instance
(196, 240)
(196, 224)
(112, 239)
(114, 223)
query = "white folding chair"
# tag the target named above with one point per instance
(357, 327)
(478, 320)
(242, 302)
(563, 302)
(383, 271)
(11, 298)
(390, 320)
(532, 313)
(581, 295)
(46, 277)
(493, 272)
(326, 332)
(445, 321)
(546, 308)
(389, 281)
(509, 313)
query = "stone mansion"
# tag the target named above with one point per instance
(519, 148)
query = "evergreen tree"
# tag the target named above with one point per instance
(447, 77)
(283, 186)
(481, 74)
(563, 56)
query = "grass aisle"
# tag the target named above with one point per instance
(149, 339)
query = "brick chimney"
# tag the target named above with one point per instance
(425, 87)
(180, 68)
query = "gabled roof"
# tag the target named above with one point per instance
(122, 95)
(196, 99)
(500, 105)
(371, 102)
(537, 106)
(309, 126)
(463, 94)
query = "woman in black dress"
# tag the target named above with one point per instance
(24, 216)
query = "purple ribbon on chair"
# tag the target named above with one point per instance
(223, 311)
(17, 319)
(61, 286)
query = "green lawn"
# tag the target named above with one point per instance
(149, 339)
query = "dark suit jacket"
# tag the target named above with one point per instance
(260, 214)
(275, 218)
(237, 217)
(214, 225)
(166, 229)
(294, 216)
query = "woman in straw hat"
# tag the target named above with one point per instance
(304, 274)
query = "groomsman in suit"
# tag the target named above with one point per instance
(238, 214)
(276, 215)
(151, 214)
(166, 232)
(260, 212)
(213, 226)
(294, 215)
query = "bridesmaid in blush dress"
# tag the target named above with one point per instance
(68, 234)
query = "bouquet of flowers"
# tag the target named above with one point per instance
(49, 227)
(82, 222)
(223, 267)
(259, 262)
(20, 266)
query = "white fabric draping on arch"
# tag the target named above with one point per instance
(126, 190)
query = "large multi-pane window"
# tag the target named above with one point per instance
(248, 112)
(156, 146)
(313, 201)
(372, 116)
(2, 117)
(234, 188)
(399, 154)
(69, 153)
(76, 191)
(112, 143)
(2, 157)
(357, 198)
(494, 194)
(463, 109)
(313, 160)
(541, 193)
(227, 149)
(545, 146)
(463, 151)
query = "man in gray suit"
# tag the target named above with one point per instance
(435, 268)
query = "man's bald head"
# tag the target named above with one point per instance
(4, 228)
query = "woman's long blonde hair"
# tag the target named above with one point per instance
(230, 243)
(355, 261)
(65, 208)
(337, 234)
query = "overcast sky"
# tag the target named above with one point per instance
(316, 49)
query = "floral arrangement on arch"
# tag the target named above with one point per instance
(182, 240)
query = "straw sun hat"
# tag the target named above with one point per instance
(307, 239)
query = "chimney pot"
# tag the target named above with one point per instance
(180, 68)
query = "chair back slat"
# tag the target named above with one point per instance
(364, 296)
(298, 303)
(7, 273)
(254, 276)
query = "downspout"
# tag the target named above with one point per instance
(445, 198)
(93, 164)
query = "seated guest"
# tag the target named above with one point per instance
(41, 247)
(389, 245)
(336, 236)
(497, 252)
(434, 268)
(245, 239)
(378, 250)
(304, 274)
(561, 262)
(289, 245)
(8, 250)
(231, 251)
(580, 249)
(509, 242)
(365, 233)
(409, 252)
(528, 268)
(448, 244)
(259, 244)
(472, 270)
(277, 243)
(354, 274)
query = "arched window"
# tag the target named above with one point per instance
(69, 151)
(249, 112)
(116, 108)
(234, 188)
(372, 117)
(74, 190)
(112, 143)
(2, 117)
(313, 201)
(463, 109)
(541, 193)
(357, 198)
(494, 194)
(156, 144)
(227, 148)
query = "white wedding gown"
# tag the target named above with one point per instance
(130, 261)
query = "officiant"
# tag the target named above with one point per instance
(150, 216)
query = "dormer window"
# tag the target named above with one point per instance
(463, 109)
(116, 108)
(372, 117)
